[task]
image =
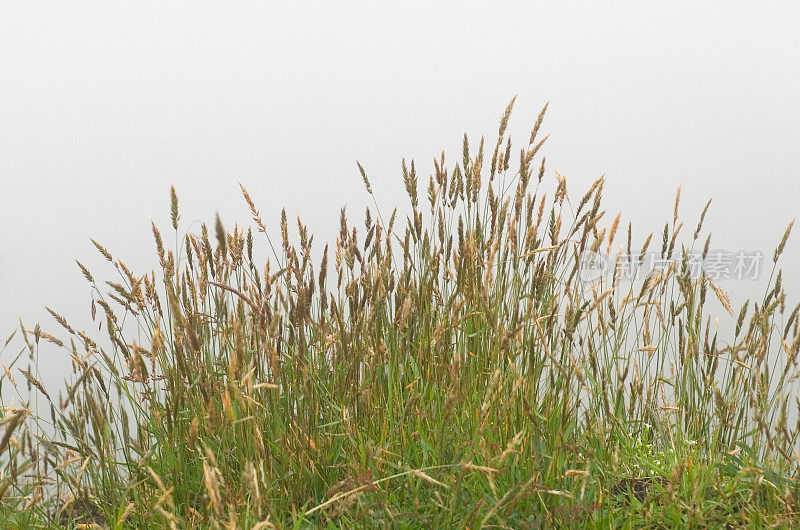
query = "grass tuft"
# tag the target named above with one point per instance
(457, 369)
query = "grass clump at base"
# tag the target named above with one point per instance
(453, 369)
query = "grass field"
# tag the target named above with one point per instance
(450, 369)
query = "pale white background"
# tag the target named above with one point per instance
(104, 105)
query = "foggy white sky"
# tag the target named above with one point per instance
(104, 105)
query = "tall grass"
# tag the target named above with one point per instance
(451, 369)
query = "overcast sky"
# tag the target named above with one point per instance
(104, 105)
